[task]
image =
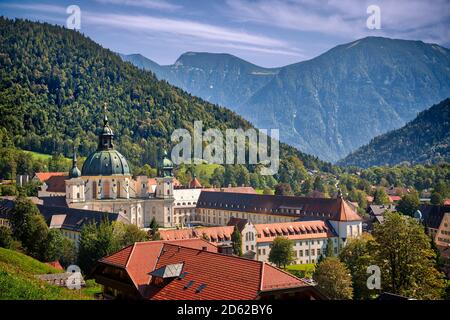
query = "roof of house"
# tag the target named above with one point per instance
(240, 223)
(249, 190)
(318, 208)
(54, 201)
(205, 275)
(379, 210)
(56, 184)
(296, 230)
(195, 183)
(44, 176)
(214, 234)
(394, 198)
(432, 214)
(55, 264)
(74, 219)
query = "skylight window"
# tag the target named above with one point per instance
(189, 284)
(200, 288)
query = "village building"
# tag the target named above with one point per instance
(193, 270)
(217, 208)
(309, 238)
(69, 221)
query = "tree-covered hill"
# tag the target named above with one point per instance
(18, 280)
(54, 82)
(426, 139)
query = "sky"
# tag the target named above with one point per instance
(268, 33)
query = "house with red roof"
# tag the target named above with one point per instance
(217, 208)
(192, 270)
(309, 238)
(52, 183)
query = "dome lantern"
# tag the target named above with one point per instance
(106, 161)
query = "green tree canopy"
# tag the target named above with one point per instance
(380, 197)
(282, 252)
(333, 279)
(96, 242)
(409, 204)
(403, 252)
(356, 256)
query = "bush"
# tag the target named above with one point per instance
(6, 238)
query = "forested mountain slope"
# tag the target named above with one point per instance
(426, 139)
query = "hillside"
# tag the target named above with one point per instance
(54, 82)
(218, 78)
(426, 139)
(17, 273)
(330, 105)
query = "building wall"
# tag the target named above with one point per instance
(218, 217)
(442, 237)
(306, 251)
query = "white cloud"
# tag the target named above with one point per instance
(182, 27)
(37, 7)
(409, 19)
(147, 4)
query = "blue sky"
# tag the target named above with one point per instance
(266, 32)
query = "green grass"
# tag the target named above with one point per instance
(302, 267)
(18, 281)
(204, 169)
(261, 191)
(42, 156)
(302, 270)
(39, 156)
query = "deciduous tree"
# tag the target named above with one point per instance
(282, 252)
(333, 279)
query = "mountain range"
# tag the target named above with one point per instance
(54, 83)
(426, 139)
(327, 106)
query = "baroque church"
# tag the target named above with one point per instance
(105, 184)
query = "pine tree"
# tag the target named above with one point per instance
(236, 239)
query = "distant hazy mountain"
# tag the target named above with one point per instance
(426, 139)
(219, 78)
(330, 105)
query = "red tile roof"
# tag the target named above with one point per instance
(55, 264)
(346, 213)
(224, 277)
(394, 198)
(195, 183)
(56, 184)
(140, 258)
(248, 190)
(295, 230)
(44, 176)
(214, 234)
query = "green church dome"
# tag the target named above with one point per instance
(105, 163)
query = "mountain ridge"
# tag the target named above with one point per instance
(426, 139)
(336, 102)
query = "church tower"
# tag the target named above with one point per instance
(74, 185)
(164, 183)
(164, 192)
